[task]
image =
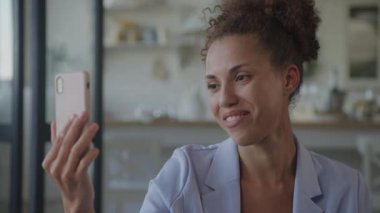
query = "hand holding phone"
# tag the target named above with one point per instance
(71, 154)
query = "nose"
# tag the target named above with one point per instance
(228, 97)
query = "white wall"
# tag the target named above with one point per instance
(129, 79)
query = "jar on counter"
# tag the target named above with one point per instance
(365, 110)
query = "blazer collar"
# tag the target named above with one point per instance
(224, 179)
(225, 165)
(306, 186)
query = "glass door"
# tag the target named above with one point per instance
(6, 61)
(69, 42)
(11, 77)
(70, 47)
(61, 38)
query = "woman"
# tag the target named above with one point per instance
(254, 54)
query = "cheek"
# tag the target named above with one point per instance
(213, 101)
(272, 96)
(263, 95)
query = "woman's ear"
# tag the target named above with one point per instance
(291, 79)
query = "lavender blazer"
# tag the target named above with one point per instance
(199, 179)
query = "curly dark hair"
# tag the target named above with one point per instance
(286, 28)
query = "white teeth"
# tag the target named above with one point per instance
(232, 118)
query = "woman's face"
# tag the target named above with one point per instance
(246, 91)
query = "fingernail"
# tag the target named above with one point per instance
(82, 116)
(94, 127)
(73, 117)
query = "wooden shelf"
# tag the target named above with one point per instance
(165, 123)
(146, 46)
(341, 124)
(155, 6)
(127, 186)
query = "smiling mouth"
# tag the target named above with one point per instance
(234, 120)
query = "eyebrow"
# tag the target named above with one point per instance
(231, 71)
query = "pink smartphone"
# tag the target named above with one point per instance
(72, 96)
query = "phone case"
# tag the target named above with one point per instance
(72, 96)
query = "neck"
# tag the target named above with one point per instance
(273, 160)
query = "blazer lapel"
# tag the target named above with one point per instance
(306, 186)
(223, 181)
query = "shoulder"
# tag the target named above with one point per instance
(189, 158)
(322, 170)
(341, 183)
(334, 170)
(186, 163)
(180, 174)
(195, 155)
(194, 150)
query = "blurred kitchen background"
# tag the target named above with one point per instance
(150, 96)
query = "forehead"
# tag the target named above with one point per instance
(232, 50)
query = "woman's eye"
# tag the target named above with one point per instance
(241, 77)
(211, 86)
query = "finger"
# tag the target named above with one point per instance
(49, 163)
(70, 136)
(86, 162)
(64, 149)
(88, 136)
(64, 130)
(80, 148)
(50, 157)
(75, 129)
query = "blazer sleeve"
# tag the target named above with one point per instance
(364, 198)
(165, 190)
(154, 200)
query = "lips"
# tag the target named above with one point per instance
(232, 119)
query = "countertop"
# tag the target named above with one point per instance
(345, 124)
